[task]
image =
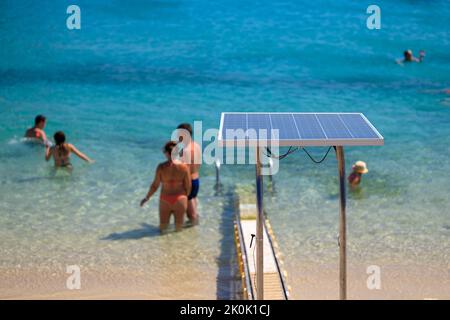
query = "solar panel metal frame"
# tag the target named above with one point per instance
(378, 141)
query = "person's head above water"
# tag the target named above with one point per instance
(168, 149)
(187, 127)
(408, 55)
(360, 167)
(60, 138)
(39, 121)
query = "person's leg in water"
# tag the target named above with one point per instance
(164, 215)
(192, 204)
(179, 209)
(192, 212)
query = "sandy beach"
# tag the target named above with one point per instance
(307, 282)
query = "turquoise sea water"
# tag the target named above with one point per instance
(136, 69)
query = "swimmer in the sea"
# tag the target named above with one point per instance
(409, 57)
(61, 152)
(358, 169)
(37, 132)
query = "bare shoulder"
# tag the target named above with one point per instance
(184, 167)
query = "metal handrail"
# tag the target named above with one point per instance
(280, 271)
(248, 283)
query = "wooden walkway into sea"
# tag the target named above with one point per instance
(275, 287)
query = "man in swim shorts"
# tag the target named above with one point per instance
(191, 155)
(37, 132)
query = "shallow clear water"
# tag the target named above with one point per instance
(119, 86)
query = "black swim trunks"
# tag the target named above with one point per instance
(195, 188)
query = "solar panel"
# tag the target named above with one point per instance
(333, 126)
(309, 127)
(298, 129)
(284, 124)
(258, 121)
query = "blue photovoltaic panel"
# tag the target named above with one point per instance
(234, 121)
(285, 126)
(333, 126)
(259, 121)
(301, 129)
(309, 126)
(357, 126)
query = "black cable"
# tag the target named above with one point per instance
(290, 150)
(317, 161)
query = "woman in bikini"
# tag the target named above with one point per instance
(61, 152)
(176, 185)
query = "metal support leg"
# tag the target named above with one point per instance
(342, 225)
(270, 170)
(217, 165)
(259, 230)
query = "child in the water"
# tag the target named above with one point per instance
(359, 168)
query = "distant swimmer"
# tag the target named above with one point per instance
(358, 169)
(175, 178)
(409, 57)
(61, 152)
(37, 132)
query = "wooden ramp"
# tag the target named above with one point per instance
(275, 287)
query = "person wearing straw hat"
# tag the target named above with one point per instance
(358, 169)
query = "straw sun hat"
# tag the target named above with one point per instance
(360, 167)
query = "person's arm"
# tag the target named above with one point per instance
(48, 153)
(154, 186)
(421, 56)
(79, 154)
(187, 181)
(43, 136)
(400, 61)
(354, 179)
(198, 156)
